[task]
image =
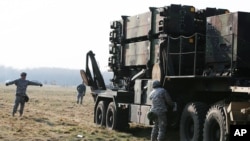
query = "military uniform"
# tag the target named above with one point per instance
(81, 89)
(21, 87)
(160, 98)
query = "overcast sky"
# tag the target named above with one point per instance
(58, 33)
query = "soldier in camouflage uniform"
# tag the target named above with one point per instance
(160, 98)
(21, 86)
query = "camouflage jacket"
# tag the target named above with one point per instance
(81, 89)
(21, 85)
(160, 100)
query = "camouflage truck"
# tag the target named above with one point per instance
(201, 57)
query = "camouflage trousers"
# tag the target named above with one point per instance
(20, 100)
(159, 130)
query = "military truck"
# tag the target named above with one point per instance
(201, 57)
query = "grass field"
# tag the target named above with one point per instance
(53, 115)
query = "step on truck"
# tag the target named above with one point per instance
(200, 56)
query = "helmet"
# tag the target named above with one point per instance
(151, 115)
(23, 74)
(156, 84)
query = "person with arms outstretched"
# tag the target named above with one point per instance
(21, 96)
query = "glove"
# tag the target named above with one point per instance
(41, 85)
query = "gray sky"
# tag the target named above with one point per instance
(58, 33)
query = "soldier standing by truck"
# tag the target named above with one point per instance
(21, 96)
(160, 101)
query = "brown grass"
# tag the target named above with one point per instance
(53, 115)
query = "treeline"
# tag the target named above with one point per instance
(49, 76)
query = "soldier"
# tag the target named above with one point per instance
(21, 96)
(160, 98)
(81, 89)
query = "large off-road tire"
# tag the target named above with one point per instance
(111, 117)
(100, 113)
(192, 120)
(215, 125)
(116, 118)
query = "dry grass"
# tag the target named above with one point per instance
(53, 115)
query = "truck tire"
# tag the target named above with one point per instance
(111, 117)
(192, 120)
(215, 124)
(100, 113)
